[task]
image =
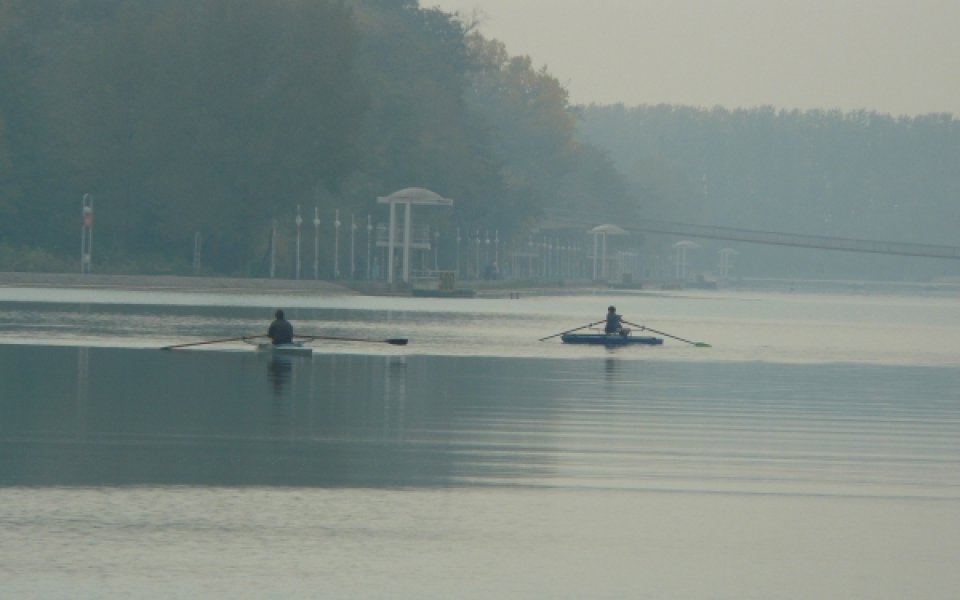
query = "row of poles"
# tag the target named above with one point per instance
(337, 224)
(545, 257)
(555, 257)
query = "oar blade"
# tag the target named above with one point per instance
(397, 341)
(703, 345)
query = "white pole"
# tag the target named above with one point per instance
(299, 222)
(486, 251)
(316, 242)
(391, 240)
(457, 269)
(546, 258)
(86, 235)
(603, 267)
(336, 244)
(556, 257)
(407, 224)
(530, 257)
(561, 258)
(595, 250)
(369, 232)
(90, 239)
(83, 234)
(353, 236)
(477, 272)
(683, 264)
(273, 249)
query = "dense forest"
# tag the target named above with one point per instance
(219, 118)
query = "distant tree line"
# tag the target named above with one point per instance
(219, 116)
(856, 174)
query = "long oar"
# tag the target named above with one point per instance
(697, 344)
(394, 341)
(233, 339)
(571, 330)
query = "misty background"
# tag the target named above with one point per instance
(218, 118)
(885, 56)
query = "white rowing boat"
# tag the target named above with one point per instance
(291, 349)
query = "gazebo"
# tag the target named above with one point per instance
(600, 233)
(725, 255)
(681, 247)
(407, 197)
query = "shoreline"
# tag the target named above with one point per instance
(174, 282)
(482, 289)
(247, 285)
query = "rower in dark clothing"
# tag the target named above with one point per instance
(281, 331)
(614, 322)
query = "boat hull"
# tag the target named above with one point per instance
(613, 339)
(294, 349)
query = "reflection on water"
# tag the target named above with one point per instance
(233, 474)
(395, 398)
(77, 416)
(279, 372)
(83, 374)
(610, 369)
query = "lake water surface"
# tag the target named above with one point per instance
(812, 452)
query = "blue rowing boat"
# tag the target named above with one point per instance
(610, 339)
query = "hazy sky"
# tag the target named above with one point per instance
(892, 56)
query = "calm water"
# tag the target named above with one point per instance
(812, 452)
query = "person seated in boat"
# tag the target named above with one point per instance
(614, 322)
(280, 331)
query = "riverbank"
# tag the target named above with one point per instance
(172, 282)
(488, 289)
(238, 285)
(481, 289)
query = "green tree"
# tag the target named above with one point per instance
(10, 194)
(205, 116)
(533, 130)
(15, 60)
(418, 130)
(528, 113)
